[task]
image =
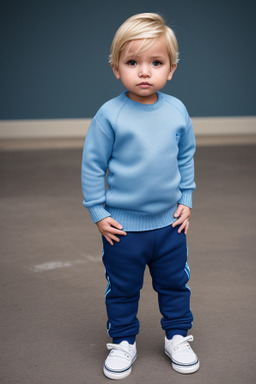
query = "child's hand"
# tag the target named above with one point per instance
(183, 214)
(109, 228)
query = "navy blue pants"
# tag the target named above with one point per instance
(165, 252)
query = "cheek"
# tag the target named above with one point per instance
(162, 78)
(166, 75)
(127, 77)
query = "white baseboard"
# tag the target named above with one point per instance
(77, 128)
(35, 129)
(237, 125)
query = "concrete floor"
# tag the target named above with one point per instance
(52, 279)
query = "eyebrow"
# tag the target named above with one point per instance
(157, 57)
(133, 56)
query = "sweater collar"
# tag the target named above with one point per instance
(145, 107)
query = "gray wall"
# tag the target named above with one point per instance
(54, 56)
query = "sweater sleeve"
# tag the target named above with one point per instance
(96, 153)
(187, 148)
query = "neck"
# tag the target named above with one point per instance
(143, 99)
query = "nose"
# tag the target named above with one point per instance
(144, 71)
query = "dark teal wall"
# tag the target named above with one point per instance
(54, 56)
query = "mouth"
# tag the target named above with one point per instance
(144, 84)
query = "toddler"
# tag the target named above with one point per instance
(144, 141)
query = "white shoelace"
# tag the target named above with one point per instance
(183, 344)
(118, 350)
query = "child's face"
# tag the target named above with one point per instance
(144, 73)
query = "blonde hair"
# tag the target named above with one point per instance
(147, 26)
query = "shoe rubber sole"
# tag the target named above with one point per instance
(115, 375)
(185, 369)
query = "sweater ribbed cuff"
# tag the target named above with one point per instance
(186, 199)
(98, 212)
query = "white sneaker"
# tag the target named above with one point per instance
(119, 362)
(184, 359)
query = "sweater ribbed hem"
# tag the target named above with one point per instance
(186, 199)
(133, 221)
(98, 212)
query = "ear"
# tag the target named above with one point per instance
(170, 74)
(116, 71)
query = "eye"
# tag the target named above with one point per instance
(156, 63)
(131, 63)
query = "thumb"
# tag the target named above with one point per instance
(178, 211)
(115, 224)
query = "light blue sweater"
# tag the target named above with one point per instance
(148, 152)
